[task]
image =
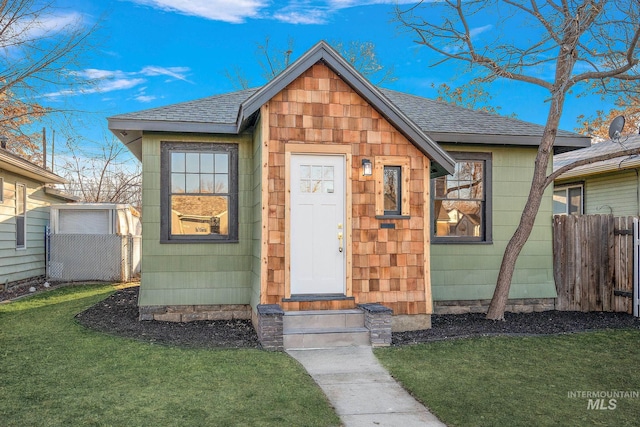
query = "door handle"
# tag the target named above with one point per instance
(340, 240)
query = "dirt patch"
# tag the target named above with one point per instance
(19, 291)
(118, 315)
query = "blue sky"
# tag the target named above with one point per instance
(152, 53)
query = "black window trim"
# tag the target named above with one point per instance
(487, 238)
(166, 148)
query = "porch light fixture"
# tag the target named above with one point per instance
(367, 169)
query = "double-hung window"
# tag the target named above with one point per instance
(567, 200)
(462, 201)
(21, 216)
(199, 198)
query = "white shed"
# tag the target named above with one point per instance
(95, 218)
(94, 241)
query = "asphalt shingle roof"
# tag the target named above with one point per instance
(597, 149)
(219, 109)
(428, 114)
(437, 116)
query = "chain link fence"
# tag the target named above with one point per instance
(94, 257)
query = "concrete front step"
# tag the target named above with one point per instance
(324, 329)
(325, 338)
(322, 319)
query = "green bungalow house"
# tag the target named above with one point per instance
(25, 197)
(606, 187)
(322, 193)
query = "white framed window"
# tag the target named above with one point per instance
(21, 216)
(568, 200)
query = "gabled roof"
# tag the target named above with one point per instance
(15, 164)
(598, 149)
(423, 121)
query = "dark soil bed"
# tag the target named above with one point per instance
(118, 315)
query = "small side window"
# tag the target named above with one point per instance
(392, 174)
(392, 190)
(1, 190)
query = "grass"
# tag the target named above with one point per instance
(509, 381)
(55, 372)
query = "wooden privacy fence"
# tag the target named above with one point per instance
(593, 262)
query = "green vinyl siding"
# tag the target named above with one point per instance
(21, 264)
(613, 193)
(256, 204)
(195, 273)
(470, 271)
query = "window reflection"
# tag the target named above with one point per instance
(199, 193)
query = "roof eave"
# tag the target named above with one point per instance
(574, 142)
(61, 194)
(129, 131)
(19, 166)
(612, 165)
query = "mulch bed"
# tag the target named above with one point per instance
(118, 315)
(541, 323)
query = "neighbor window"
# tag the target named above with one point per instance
(200, 192)
(1, 190)
(567, 200)
(462, 201)
(392, 196)
(21, 216)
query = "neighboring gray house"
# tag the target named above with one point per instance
(607, 187)
(25, 197)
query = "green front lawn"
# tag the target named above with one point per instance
(509, 381)
(55, 372)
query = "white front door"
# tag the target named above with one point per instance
(317, 227)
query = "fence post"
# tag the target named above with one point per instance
(636, 254)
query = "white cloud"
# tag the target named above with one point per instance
(145, 98)
(343, 4)
(307, 12)
(479, 30)
(41, 27)
(234, 11)
(305, 17)
(107, 86)
(304, 12)
(177, 73)
(103, 81)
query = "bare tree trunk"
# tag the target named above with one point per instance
(527, 220)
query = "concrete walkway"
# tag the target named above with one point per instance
(361, 390)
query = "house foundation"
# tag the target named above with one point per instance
(524, 305)
(190, 313)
